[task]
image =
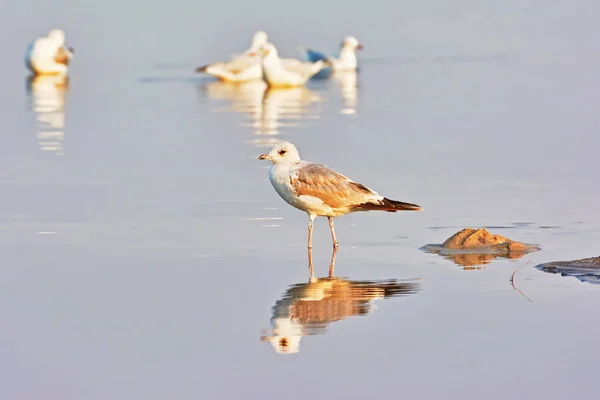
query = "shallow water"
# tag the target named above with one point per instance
(144, 252)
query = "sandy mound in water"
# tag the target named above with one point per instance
(471, 247)
(481, 239)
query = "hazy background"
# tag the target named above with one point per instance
(142, 246)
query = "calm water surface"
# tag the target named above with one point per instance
(145, 255)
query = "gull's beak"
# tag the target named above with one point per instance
(359, 47)
(263, 157)
(252, 54)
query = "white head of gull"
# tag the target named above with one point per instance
(258, 40)
(286, 337)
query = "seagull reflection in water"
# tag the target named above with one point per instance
(47, 100)
(307, 309)
(269, 110)
(348, 82)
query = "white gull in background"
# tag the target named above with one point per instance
(245, 67)
(48, 55)
(320, 191)
(345, 61)
(289, 74)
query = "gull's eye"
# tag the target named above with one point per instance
(282, 152)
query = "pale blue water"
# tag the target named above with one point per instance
(143, 248)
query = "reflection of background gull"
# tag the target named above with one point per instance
(47, 99)
(307, 308)
(349, 87)
(269, 110)
(244, 97)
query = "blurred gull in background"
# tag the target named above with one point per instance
(48, 55)
(289, 74)
(345, 61)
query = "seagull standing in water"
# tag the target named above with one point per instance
(346, 61)
(320, 191)
(48, 55)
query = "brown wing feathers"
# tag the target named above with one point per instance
(337, 191)
(321, 182)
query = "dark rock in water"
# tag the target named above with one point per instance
(586, 269)
(473, 247)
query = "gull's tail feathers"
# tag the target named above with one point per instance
(401, 206)
(390, 206)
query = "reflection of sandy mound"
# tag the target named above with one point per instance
(348, 82)
(470, 260)
(269, 110)
(47, 98)
(473, 247)
(308, 308)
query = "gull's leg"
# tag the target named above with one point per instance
(332, 265)
(310, 227)
(335, 242)
(310, 265)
